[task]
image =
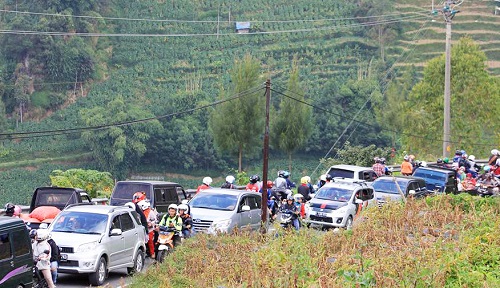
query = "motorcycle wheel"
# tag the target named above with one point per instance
(160, 256)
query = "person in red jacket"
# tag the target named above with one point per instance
(253, 185)
(207, 181)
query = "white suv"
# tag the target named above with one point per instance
(95, 239)
(336, 203)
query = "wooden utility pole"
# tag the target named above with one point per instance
(264, 220)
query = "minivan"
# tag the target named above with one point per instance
(16, 257)
(160, 193)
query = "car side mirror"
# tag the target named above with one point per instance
(115, 232)
(358, 201)
(245, 208)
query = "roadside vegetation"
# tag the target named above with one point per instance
(442, 241)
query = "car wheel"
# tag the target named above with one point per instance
(348, 223)
(138, 263)
(97, 278)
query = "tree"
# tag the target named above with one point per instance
(357, 155)
(238, 124)
(474, 104)
(118, 148)
(292, 125)
(94, 182)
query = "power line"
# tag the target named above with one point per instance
(35, 134)
(86, 34)
(196, 21)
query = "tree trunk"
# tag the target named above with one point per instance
(290, 162)
(240, 155)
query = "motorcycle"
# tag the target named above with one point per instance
(484, 190)
(38, 279)
(286, 219)
(165, 242)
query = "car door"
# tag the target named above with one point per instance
(255, 204)
(116, 243)
(245, 217)
(130, 235)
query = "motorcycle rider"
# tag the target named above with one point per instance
(299, 202)
(253, 184)
(289, 183)
(151, 218)
(42, 254)
(187, 222)
(311, 187)
(280, 186)
(229, 183)
(322, 181)
(136, 198)
(172, 220)
(272, 205)
(304, 189)
(207, 181)
(378, 167)
(289, 206)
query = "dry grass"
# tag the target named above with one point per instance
(433, 243)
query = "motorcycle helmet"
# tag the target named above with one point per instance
(486, 168)
(254, 179)
(308, 179)
(9, 209)
(138, 196)
(458, 152)
(439, 161)
(32, 233)
(230, 179)
(143, 204)
(207, 181)
(286, 174)
(183, 207)
(382, 160)
(289, 197)
(406, 157)
(322, 177)
(281, 173)
(495, 152)
(173, 206)
(446, 160)
(303, 180)
(462, 152)
(269, 184)
(329, 177)
(472, 157)
(297, 196)
(42, 234)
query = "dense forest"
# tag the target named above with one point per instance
(124, 85)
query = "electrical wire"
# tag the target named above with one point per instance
(45, 133)
(86, 34)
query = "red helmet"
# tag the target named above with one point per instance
(138, 196)
(269, 184)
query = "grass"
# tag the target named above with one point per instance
(443, 241)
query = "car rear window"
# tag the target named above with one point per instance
(127, 190)
(335, 172)
(54, 198)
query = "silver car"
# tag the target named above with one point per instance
(220, 210)
(95, 239)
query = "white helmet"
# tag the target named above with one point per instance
(130, 204)
(143, 204)
(494, 152)
(297, 196)
(472, 157)
(42, 234)
(322, 177)
(207, 181)
(230, 179)
(172, 206)
(183, 207)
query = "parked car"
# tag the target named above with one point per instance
(95, 239)
(160, 193)
(16, 258)
(386, 188)
(352, 172)
(336, 203)
(438, 179)
(221, 210)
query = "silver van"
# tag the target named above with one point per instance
(219, 210)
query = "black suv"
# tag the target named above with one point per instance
(438, 179)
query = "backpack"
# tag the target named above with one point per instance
(55, 253)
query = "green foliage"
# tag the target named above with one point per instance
(472, 90)
(96, 183)
(357, 155)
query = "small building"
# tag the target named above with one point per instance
(242, 27)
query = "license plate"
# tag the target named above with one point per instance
(320, 214)
(64, 257)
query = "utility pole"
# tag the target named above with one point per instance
(448, 12)
(263, 219)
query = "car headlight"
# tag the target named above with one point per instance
(221, 224)
(342, 210)
(87, 247)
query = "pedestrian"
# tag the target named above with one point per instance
(207, 181)
(406, 167)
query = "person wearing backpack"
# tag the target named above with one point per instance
(54, 258)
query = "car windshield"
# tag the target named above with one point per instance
(80, 222)
(214, 201)
(334, 194)
(389, 186)
(335, 172)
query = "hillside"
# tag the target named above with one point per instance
(161, 58)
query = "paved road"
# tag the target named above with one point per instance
(117, 278)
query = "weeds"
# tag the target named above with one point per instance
(444, 241)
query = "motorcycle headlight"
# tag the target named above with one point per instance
(87, 247)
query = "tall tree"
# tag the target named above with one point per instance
(238, 124)
(474, 103)
(292, 125)
(118, 148)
